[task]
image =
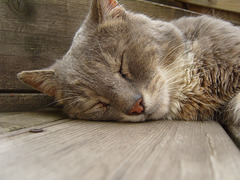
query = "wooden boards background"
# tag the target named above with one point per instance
(35, 33)
(32, 35)
(229, 5)
(12, 121)
(11, 102)
(75, 149)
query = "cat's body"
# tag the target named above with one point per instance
(127, 67)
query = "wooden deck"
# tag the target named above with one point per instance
(87, 150)
(76, 149)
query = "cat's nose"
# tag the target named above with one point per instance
(138, 108)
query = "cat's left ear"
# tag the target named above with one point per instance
(104, 9)
(42, 80)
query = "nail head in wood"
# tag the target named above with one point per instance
(36, 130)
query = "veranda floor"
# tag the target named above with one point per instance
(87, 150)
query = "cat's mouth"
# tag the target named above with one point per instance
(138, 118)
(137, 114)
(142, 111)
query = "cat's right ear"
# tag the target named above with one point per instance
(104, 9)
(42, 80)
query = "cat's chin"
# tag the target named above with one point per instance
(142, 117)
(159, 113)
(157, 108)
(136, 118)
(156, 115)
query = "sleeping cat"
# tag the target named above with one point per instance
(125, 66)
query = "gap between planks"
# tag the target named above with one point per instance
(13, 121)
(106, 150)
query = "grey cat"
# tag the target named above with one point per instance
(125, 66)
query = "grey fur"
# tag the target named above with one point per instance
(185, 69)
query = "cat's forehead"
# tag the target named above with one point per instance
(113, 26)
(130, 24)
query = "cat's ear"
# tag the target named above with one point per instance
(104, 9)
(42, 80)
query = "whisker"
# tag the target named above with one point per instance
(174, 49)
(176, 61)
(55, 102)
(70, 91)
(47, 105)
(74, 102)
(99, 45)
(93, 50)
(67, 98)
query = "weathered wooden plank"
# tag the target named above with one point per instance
(231, 16)
(35, 33)
(6, 114)
(104, 150)
(24, 102)
(168, 2)
(226, 15)
(229, 5)
(155, 10)
(15, 121)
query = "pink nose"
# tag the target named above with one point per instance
(137, 108)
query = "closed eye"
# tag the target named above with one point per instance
(121, 72)
(101, 105)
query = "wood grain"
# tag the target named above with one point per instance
(229, 5)
(24, 102)
(33, 34)
(168, 2)
(222, 14)
(103, 150)
(155, 10)
(15, 121)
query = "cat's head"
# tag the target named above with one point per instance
(115, 68)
